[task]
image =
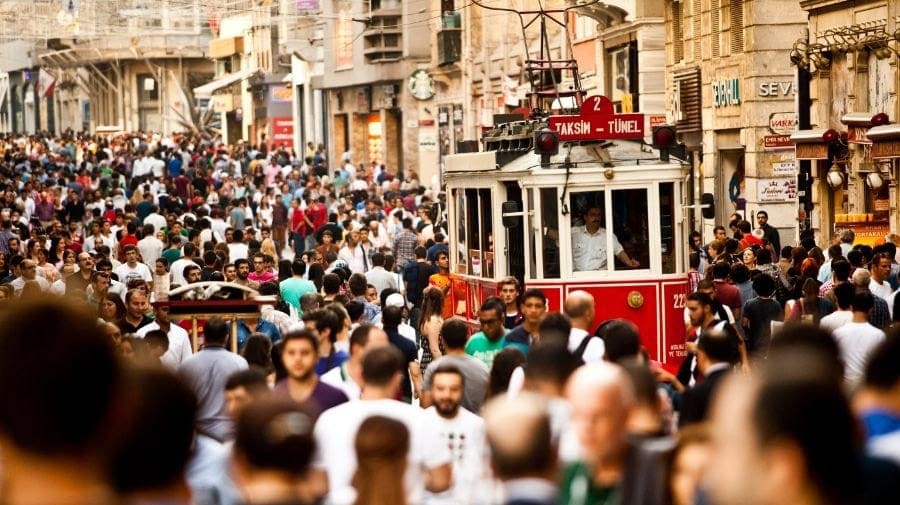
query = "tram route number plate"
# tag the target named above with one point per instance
(597, 120)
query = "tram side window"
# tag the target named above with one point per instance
(534, 231)
(462, 254)
(631, 228)
(487, 232)
(667, 225)
(550, 238)
(473, 235)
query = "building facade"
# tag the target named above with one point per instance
(731, 92)
(850, 55)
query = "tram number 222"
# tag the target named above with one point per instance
(678, 300)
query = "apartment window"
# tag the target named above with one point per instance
(148, 89)
(585, 27)
(737, 26)
(677, 32)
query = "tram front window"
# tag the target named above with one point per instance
(591, 240)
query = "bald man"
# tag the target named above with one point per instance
(579, 306)
(523, 454)
(614, 468)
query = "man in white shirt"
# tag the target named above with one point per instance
(348, 376)
(156, 219)
(151, 248)
(378, 276)
(880, 269)
(589, 244)
(857, 339)
(462, 432)
(176, 271)
(430, 465)
(352, 254)
(843, 293)
(579, 306)
(132, 269)
(180, 348)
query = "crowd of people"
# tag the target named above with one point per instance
(356, 384)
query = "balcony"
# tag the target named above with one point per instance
(449, 46)
(382, 39)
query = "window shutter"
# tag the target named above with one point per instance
(698, 56)
(677, 33)
(737, 26)
(716, 29)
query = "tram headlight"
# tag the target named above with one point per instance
(546, 142)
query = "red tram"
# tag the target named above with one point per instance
(516, 210)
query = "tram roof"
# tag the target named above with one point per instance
(619, 154)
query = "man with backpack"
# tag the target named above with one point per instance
(579, 306)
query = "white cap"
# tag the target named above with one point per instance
(395, 300)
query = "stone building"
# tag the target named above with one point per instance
(731, 92)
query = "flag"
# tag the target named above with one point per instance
(46, 83)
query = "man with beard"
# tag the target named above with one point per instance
(243, 272)
(463, 433)
(300, 353)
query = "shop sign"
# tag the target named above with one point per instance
(307, 5)
(772, 89)
(597, 120)
(281, 94)
(427, 140)
(727, 92)
(866, 233)
(777, 190)
(784, 168)
(886, 149)
(283, 131)
(657, 120)
(857, 135)
(783, 123)
(421, 85)
(777, 142)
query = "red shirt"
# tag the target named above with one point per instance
(728, 294)
(298, 221)
(318, 215)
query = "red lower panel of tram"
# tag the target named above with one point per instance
(656, 306)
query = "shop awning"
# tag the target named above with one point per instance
(207, 89)
(813, 144)
(885, 141)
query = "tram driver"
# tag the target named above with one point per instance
(589, 243)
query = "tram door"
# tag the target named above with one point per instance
(515, 235)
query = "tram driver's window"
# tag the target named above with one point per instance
(631, 228)
(590, 227)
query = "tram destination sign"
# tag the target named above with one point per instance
(597, 120)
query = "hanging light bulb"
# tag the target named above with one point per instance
(874, 180)
(835, 177)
